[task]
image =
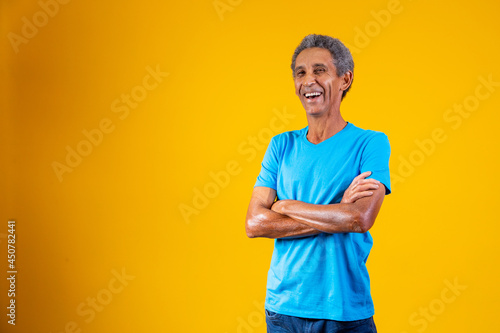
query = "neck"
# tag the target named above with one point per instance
(322, 128)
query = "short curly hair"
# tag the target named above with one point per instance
(342, 57)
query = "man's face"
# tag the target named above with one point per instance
(316, 81)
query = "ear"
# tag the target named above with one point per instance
(346, 80)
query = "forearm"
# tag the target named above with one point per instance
(333, 218)
(264, 222)
(358, 216)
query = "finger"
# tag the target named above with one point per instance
(363, 175)
(360, 195)
(367, 187)
(346, 200)
(371, 182)
(368, 182)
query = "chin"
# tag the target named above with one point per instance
(315, 111)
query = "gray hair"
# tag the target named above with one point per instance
(342, 58)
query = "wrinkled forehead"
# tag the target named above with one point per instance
(314, 56)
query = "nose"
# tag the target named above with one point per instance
(309, 80)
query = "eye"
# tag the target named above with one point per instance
(300, 73)
(319, 70)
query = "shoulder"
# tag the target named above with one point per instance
(288, 137)
(367, 136)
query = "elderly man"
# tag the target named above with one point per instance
(318, 193)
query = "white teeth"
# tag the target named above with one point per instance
(312, 94)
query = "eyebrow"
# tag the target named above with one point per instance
(314, 66)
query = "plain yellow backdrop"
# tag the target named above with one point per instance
(170, 106)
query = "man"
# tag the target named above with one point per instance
(329, 179)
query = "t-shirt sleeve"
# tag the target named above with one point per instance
(375, 158)
(268, 176)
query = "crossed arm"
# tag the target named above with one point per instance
(291, 218)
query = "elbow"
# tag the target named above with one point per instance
(256, 225)
(361, 222)
(250, 232)
(251, 227)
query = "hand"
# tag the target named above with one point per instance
(360, 188)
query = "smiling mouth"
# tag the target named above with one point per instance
(313, 95)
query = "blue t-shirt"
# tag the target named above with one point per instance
(323, 276)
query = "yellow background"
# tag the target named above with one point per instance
(119, 209)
